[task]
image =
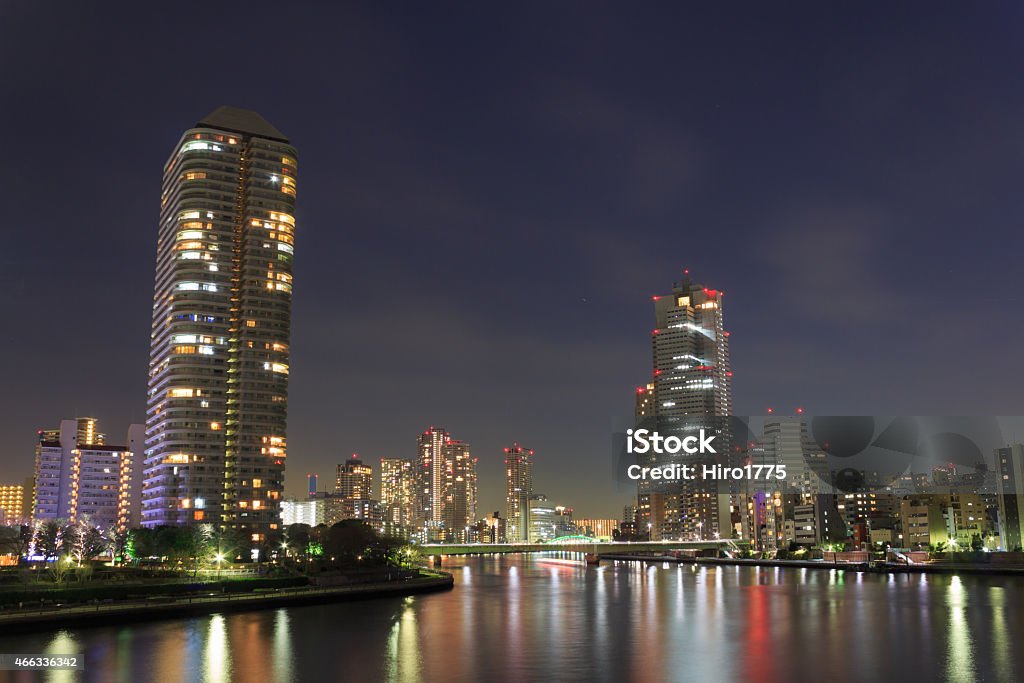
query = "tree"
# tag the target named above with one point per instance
(117, 539)
(49, 538)
(977, 543)
(349, 541)
(86, 541)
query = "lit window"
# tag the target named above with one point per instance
(198, 515)
(200, 503)
(194, 175)
(181, 393)
(215, 426)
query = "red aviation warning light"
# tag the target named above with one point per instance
(799, 411)
(771, 410)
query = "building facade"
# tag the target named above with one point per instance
(12, 497)
(90, 482)
(518, 492)
(691, 385)
(460, 492)
(1010, 495)
(396, 489)
(353, 479)
(216, 421)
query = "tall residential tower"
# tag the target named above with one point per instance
(518, 490)
(218, 369)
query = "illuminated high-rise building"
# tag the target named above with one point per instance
(430, 472)
(460, 492)
(219, 355)
(354, 479)
(11, 499)
(396, 489)
(1010, 495)
(690, 385)
(78, 481)
(518, 490)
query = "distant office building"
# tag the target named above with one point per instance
(12, 497)
(543, 524)
(311, 482)
(1010, 495)
(629, 514)
(309, 512)
(494, 530)
(518, 492)
(396, 495)
(219, 351)
(692, 384)
(788, 444)
(81, 481)
(365, 510)
(460, 491)
(354, 479)
(598, 528)
(922, 521)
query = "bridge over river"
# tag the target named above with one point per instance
(592, 548)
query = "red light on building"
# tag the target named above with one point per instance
(771, 410)
(640, 390)
(799, 411)
(729, 373)
(655, 298)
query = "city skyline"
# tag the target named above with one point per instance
(591, 185)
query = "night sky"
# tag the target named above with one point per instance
(489, 196)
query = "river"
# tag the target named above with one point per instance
(551, 618)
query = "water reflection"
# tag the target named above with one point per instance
(550, 618)
(217, 664)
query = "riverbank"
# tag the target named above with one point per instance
(172, 606)
(893, 568)
(876, 567)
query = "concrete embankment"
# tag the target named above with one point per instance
(170, 607)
